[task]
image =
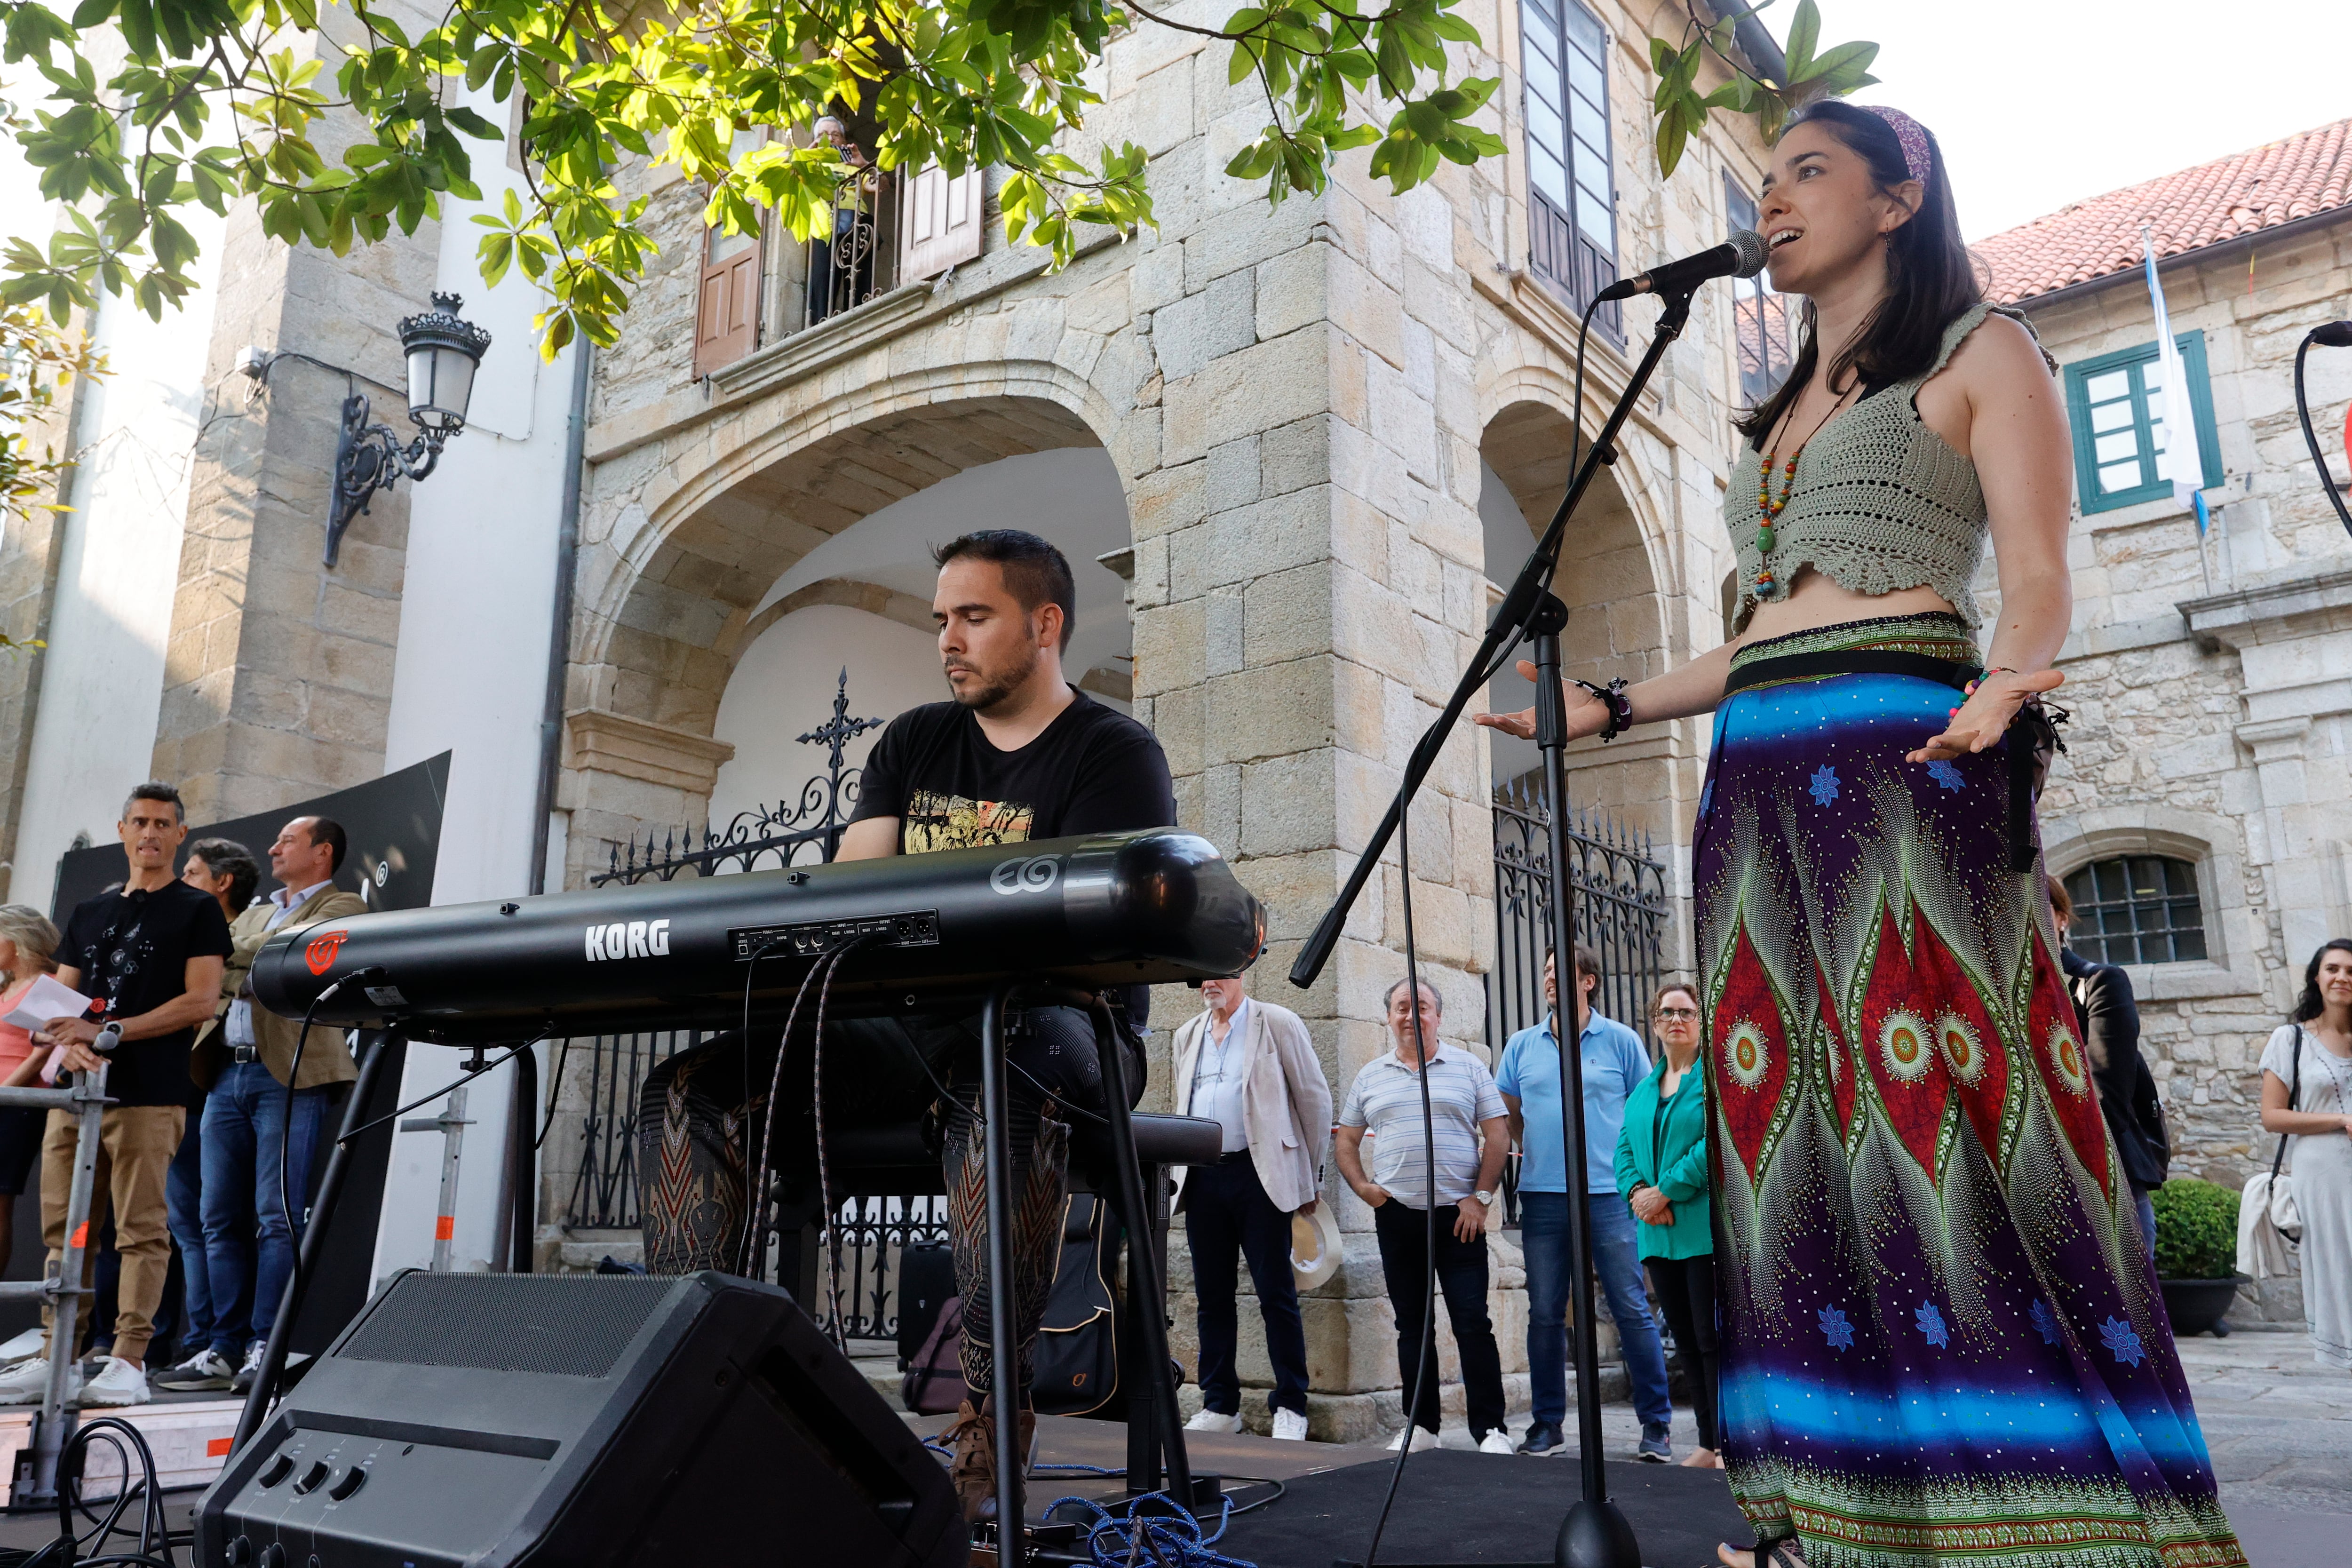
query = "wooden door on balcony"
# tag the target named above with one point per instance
(939, 222)
(727, 322)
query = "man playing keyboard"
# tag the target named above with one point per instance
(1017, 754)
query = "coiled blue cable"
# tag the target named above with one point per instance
(1174, 1538)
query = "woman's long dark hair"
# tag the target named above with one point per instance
(2311, 1004)
(1930, 276)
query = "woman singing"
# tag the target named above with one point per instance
(1940, 1335)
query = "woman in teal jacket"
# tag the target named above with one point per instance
(1662, 1170)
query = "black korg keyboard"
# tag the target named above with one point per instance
(1121, 908)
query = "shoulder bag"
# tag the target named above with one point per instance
(2282, 1211)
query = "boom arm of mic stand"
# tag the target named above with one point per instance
(1510, 624)
(2310, 438)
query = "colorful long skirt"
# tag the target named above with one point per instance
(1941, 1337)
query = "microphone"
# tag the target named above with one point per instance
(2334, 335)
(1741, 256)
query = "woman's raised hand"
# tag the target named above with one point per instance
(1983, 718)
(1587, 714)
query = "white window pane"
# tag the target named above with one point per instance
(2151, 376)
(2108, 384)
(2116, 415)
(1584, 75)
(1547, 174)
(1593, 216)
(1584, 30)
(2159, 438)
(2115, 448)
(2118, 477)
(1544, 129)
(1542, 65)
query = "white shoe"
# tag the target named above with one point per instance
(31, 1342)
(1290, 1426)
(1497, 1442)
(119, 1383)
(28, 1380)
(1422, 1438)
(1212, 1421)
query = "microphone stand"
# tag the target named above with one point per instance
(2332, 334)
(1595, 1533)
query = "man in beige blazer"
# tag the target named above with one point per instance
(245, 1059)
(1252, 1066)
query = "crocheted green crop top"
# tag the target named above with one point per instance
(1880, 502)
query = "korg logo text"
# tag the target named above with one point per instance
(628, 939)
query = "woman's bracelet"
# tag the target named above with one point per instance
(1620, 707)
(1970, 688)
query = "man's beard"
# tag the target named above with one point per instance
(991, 692)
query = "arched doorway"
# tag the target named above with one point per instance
(748, 590)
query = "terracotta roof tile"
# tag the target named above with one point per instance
(2240, 195)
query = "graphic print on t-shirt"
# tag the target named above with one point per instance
(937, 821)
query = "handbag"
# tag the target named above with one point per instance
(2281, 1211)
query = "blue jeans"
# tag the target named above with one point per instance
(245, 1126)
(2146, 1208)
(1543, 1240)
(184, 1187)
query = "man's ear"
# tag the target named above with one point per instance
(1048, 624)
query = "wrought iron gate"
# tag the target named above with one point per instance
(1618, 885)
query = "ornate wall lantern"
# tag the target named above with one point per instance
(444, 350)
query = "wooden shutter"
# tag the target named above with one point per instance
(727, 321)
(939, 222)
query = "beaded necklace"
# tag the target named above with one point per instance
(1766, 585)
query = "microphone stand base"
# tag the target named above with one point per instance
(1595, 1535)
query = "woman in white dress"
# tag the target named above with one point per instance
(2319, 1154)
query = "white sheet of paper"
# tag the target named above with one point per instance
(49, 998)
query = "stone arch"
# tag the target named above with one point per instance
(1608, 578)
(686, 586)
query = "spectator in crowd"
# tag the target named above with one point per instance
(1662, 1170)
(1614, 1064)
(1472, 1134)
(153, 951)
(252, 1126)
(2108, 1015)
(2307, 1097)
(225, 870)
(1250, 1066)
(26, 940)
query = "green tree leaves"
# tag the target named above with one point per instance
(218, 101)
(1681, 110)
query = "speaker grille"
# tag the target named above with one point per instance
(569, 1325)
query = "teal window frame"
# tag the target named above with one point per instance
(2152, 487)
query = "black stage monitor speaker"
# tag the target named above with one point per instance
(488, 1419)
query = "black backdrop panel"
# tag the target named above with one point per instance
(394, 828)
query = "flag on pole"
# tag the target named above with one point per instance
(2181, 461)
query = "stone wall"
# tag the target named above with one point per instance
(1296, 400)
(2213, 698)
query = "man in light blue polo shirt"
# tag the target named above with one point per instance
(1612, 1063)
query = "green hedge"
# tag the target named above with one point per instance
(2195, 1230)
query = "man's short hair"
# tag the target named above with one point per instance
(228, 858)
(1033, 569)
(1587, 961)
(328, 831)
(1435, 995)
(156, 789)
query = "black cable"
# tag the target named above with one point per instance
(286, 1134)
(555, 1085)
(816, 1107)
(446, 1087)
(756, 1196)
(1422, 1357)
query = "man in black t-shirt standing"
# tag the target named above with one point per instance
(153, 951)
(1017, 754)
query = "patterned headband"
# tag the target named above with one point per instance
(1910, 134)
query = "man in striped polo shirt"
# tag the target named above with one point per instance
(1472, 1133)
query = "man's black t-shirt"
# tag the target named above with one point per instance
(132, 948)
(1092, 770)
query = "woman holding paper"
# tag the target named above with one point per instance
(27, 940)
